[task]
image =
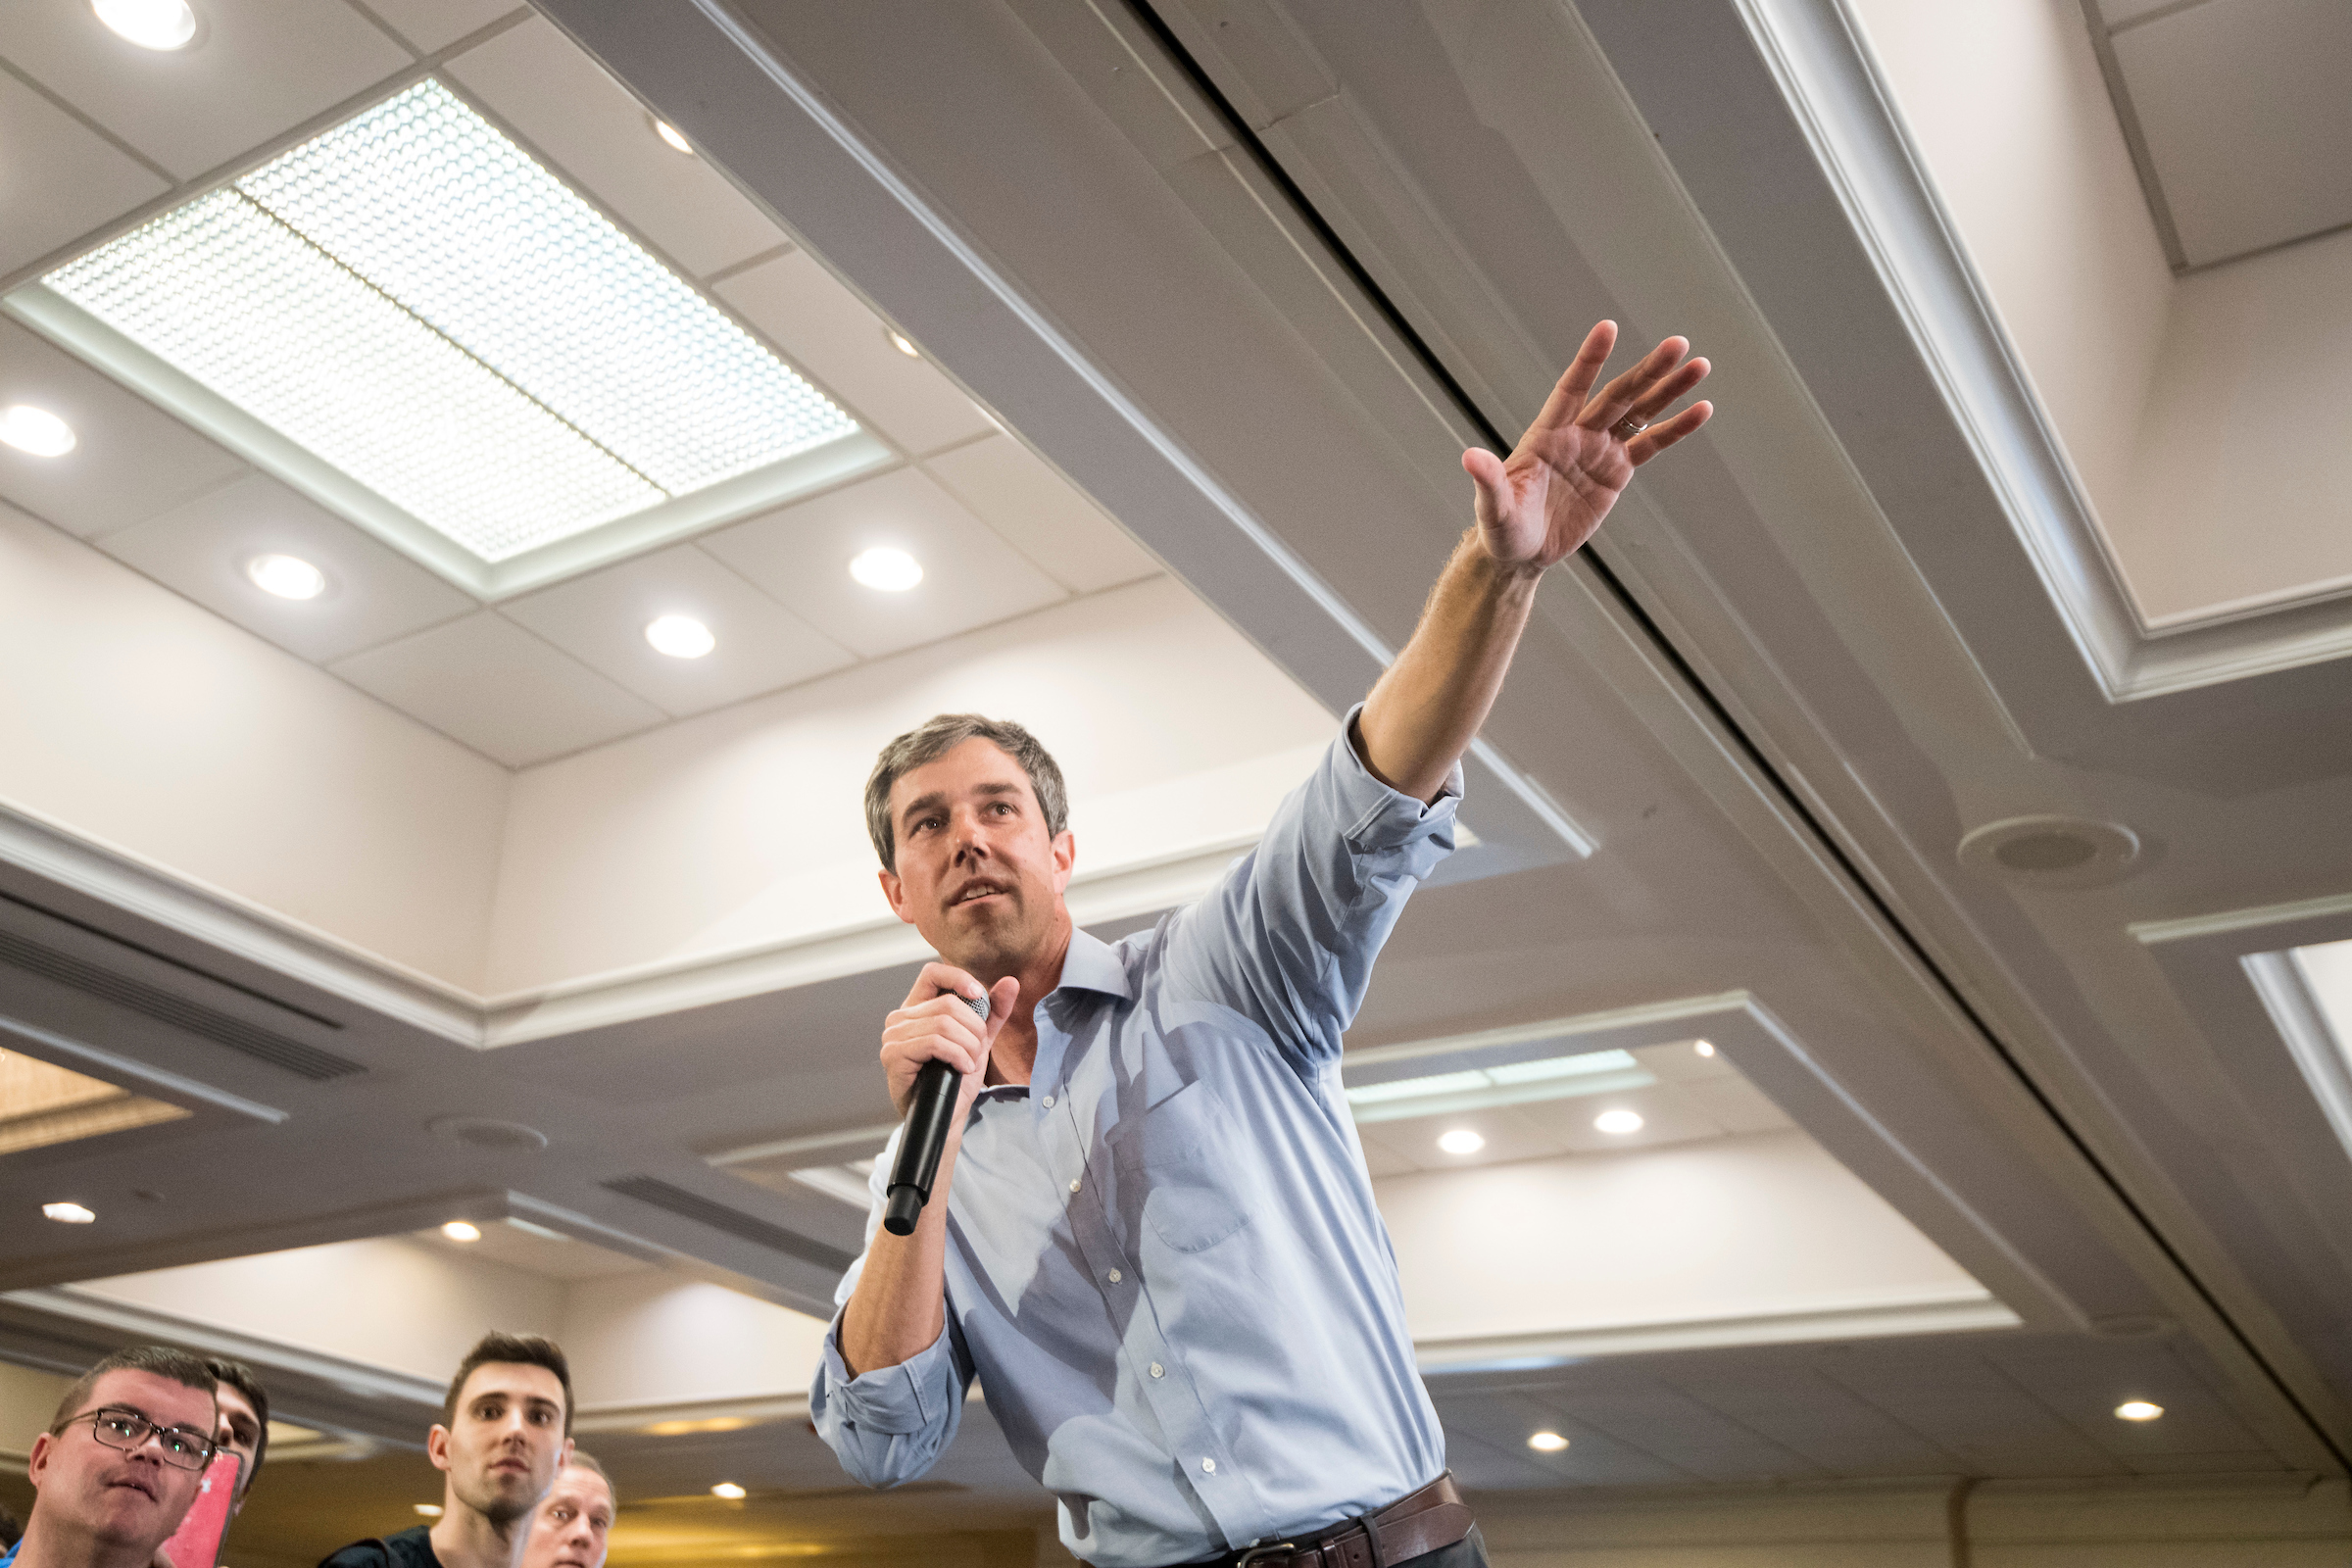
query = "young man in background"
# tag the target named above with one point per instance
(505, 1431)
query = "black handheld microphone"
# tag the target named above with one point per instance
(925, 1137)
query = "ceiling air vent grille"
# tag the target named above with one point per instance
(246, 1039)
(692, 1206)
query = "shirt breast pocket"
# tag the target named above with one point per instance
(1177, 1159)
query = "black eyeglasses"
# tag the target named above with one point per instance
(129, 1430)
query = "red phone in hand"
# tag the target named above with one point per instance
(196, 1544)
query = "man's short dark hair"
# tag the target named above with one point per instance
(161, 1360)
(525, 1350)
(238, 1376)
(933, 740)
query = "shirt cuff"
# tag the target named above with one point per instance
(890, 1398)
(1379, 816)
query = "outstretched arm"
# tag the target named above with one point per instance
(1535, 508)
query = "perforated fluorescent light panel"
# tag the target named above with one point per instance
(1590, 1072)
(412, 300)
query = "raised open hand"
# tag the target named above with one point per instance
(1546, 499)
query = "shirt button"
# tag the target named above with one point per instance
(1157, 1370)
(1114, 1276)
(1208, 1467)
(1073, 1186)
(1049, 1101)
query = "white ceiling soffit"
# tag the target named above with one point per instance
(2238, 114)
(1846, 112)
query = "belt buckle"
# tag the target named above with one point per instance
(1273, 1549)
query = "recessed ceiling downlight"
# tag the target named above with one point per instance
(669, 135)
(892, 571)
(1617, 1123)
(68, 1213)
(903, 343)
(2137, 1410)
(36, 431)
(680, 637)
(287, 576)
(1461, 1141)
(729, 1491)
(459, 1230)
(149, 23)
(1547, 1443)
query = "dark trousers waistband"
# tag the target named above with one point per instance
(1413, 1526)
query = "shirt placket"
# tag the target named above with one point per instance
(1161, 1373)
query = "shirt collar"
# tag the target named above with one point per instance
(1093, 964)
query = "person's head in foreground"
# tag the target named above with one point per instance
(972, 820)
(244, 1425)
(572, 1524)
(120, 1462)
(505, 1430)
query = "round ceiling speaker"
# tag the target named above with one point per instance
(481, 1132)
(2052, 851)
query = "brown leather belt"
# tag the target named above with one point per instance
(1413, 1526)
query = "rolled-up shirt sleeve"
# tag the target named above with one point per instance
(890, 1425)
(1289, 932)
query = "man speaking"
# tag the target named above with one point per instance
(1152, 1235)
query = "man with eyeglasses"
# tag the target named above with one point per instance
(115, 1471)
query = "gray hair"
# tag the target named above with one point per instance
(933, 740)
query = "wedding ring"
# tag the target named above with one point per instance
(1632, 425)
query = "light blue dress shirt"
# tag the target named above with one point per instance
(1164, 1259)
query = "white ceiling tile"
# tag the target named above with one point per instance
(1681, 1062)
(256, 70)
(200, 550)
(59, 179)
(601, 620)
(2248, 120)
(801, 554)
(1739, 1105)
(821, 325)
(1668, 1116)
(487, 683)
(431, 26)
(564, 103)
(131, 460)
(1509, 1135)
(1382, 1160)
(1041, 514)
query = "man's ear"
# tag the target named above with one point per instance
(1065, 859)
(896, 891)
(564, 1457)
(39, 1461)
(436, 1446)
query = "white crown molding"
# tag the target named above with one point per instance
(126, 880)
(227, 923)
(361, 1379)
(1842, 100)
(1953, 1310)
